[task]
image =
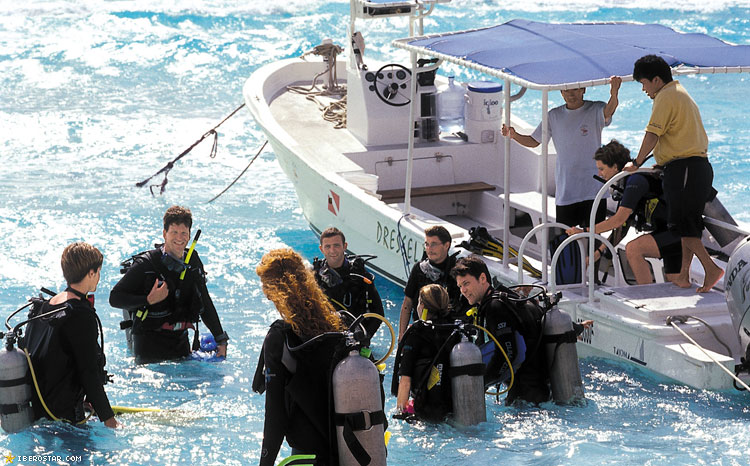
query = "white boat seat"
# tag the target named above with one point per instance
(458, 188)
(531, 203)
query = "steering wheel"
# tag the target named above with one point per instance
(391, 83)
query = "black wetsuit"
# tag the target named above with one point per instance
(424, 347)
(509, 323)
(425, 273)
(154, 338)
(68, 361)
(297, 403)
(351, 292)
(643, 195)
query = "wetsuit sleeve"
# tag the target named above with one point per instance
(209, 316)
(376, 306)
(499, 322)
(128, 293)
(276, 417)
(81, 332)
(636, 187)
(408, 357)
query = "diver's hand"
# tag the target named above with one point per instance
(158, 293)
(573, 230)
(112, 423)
(221, 351)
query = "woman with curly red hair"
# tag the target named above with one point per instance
(295, 363)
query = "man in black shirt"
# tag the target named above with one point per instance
(516, 327)
(345, 281)
(165, 295)
(435, 268)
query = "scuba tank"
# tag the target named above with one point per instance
(15, 390)
(467, 383)
(360, 421)
(562, 357)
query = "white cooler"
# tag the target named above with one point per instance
(483, 111)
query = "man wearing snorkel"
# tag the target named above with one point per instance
(164, 293)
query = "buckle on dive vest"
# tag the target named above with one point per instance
(177, 326)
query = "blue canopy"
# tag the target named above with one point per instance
(559, 56)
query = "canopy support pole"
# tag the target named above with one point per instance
(506, 177)
(412, 114)
(543, 181)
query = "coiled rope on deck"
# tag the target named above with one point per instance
(334, 112)
(166, 168)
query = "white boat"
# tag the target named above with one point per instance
(387, 176)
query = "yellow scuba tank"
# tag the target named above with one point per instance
(359, 416)
(467, 383)
(15, 391)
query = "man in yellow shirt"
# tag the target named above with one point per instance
(676, 135)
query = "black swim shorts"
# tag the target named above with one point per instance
(670, 250)
(687, 186)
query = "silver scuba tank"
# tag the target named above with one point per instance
(360, 421)
(737, 283)
(562, 357)
(467, 383)
(15, 391)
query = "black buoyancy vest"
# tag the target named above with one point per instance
(348, 288)
(183, 304)
(651, 212)
(42, 340)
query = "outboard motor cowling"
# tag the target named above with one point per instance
(467, 383)
(562, 357)
(737, 291)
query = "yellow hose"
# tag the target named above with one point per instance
(507, 359)
(39, 394)
(390, 327)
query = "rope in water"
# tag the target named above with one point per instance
(166, 168)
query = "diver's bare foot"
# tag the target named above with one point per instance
(712, 278)
(683, 281)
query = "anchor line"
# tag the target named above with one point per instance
(240, 175)
(721, 366)
(166, 168)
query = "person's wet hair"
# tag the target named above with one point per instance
(435, 299)
(330, 232)
(440, 232)
(471, 265)
(179, 216)
(613, 154)
(298, 298)
(78, 259)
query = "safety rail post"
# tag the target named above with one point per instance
(506, 177)
(591, 282)
(592, 217)
(543, 178)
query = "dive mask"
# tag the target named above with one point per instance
(172, 264)
(430, 271)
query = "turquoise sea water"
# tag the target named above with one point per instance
(95, 96)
